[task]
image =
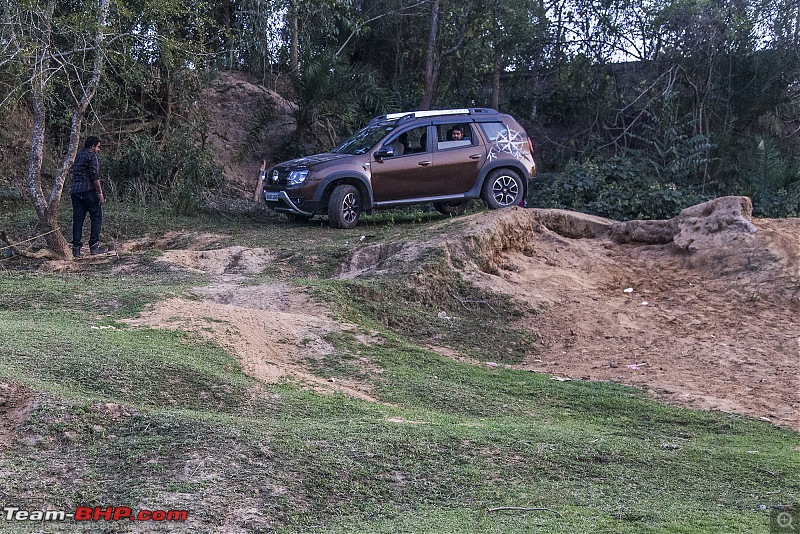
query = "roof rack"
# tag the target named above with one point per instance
(437, 112)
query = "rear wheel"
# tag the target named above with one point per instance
(452, 208)
(344, 207)
(502, 188)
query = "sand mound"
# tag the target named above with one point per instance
(236, 103)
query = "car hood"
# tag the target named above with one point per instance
(308, 162)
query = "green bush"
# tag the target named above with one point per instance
(620, 189)
(175, 170)
(770, 177)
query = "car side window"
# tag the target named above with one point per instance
(454, 135)
(417, 139)
(408, 142)
(505, 139)
(493, 130)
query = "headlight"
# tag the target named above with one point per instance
(297, 177)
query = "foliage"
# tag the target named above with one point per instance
(332, 96)
(674, 153)
(175, 171)
(769, 178)
(617, 188)
(683, 86)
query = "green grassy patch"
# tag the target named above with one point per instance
(444, 310)
(336, 465)
(151, 419)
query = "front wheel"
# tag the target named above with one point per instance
(344, 207)
(502, 188)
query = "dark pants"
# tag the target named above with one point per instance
(83, 203)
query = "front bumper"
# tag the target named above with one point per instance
(280, 201)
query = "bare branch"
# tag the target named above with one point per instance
(373, 19)
(39, 255)
(13, 40)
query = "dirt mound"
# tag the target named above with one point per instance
(220, 261)
(270, 345)
(707, 320)
(236, 102)
(701, 309)
(199, 252)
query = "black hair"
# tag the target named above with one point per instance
(453, 129)
(91, 141)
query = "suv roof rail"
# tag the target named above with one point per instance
(436, 113)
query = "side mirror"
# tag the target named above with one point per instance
(384, 152)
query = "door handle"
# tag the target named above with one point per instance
(424, 163)
(475, 156)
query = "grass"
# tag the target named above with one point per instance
(448, 312)
(164, 420)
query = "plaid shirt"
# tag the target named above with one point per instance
(85, 171)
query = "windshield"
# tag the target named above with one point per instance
(365, 138)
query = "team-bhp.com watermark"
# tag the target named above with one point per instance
(93, 513)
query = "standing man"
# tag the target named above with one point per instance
(87, 197)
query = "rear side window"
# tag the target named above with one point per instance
(409, 142)
(504, 139)
(493, 130)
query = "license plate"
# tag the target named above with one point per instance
(271, 197)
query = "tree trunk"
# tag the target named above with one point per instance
(294, 38)
(47, 212)
(430, 59)
(496, 73)
(47, 208)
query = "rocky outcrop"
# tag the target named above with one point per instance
(713, 223)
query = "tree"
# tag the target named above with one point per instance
(330, 93)
(55, 46)
(440, 46)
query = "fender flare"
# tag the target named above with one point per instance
(360, 181)
(500, 164)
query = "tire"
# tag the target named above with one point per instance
(344, 207)
(452, 208)
(502, 188)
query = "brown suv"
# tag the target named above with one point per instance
(445, 157)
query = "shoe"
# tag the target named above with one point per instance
(97, 249)
(76, 251)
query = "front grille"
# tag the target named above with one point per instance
(276, 177)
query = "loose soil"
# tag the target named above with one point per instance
(274, 330)
(709, 319)
(16, 404)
